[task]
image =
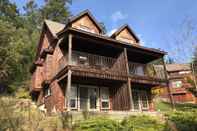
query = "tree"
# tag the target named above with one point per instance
(56, 10)
(19, 35)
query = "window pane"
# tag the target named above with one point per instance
(105, 93)
(93, 98)
(73, 92)
(105, 104)
(72, 103)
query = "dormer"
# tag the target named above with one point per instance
(86, 22)
(125, 34)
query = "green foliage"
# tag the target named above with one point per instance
(166, 107)
(98, 124)
(142, 123)
(56, 10)
(19, 35)
(184, 121)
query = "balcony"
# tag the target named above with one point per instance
(94, 65)
(146, 72)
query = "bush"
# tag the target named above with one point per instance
(98, 124)
(184, 121)
(142, 123)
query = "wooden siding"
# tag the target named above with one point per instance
(125, 36)
(85, 22)
(37, 78)
(120, 97)
(56, 101)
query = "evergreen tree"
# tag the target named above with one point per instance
(56, 10)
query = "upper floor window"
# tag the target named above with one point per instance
(126, 39)
(47, 92)
(85, 28)
(184, 72)
(176, 84)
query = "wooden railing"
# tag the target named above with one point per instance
(88, 60)
(146, 70)
(85, 60)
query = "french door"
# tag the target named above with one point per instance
(88, 98)
(140, 100)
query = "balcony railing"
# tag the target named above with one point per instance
(146, 70)
(91, 61)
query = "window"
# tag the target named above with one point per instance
(104, 98)
(140, 70)
(125, 39)
(85, 28)
(47, 92)
(176, 84)
(83, 60)
(73, 97)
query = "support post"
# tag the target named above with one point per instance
(68, 88)
(129, 80)
(168, 84)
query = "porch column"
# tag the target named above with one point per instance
(129, 80)
(67, 93)
(168, 84)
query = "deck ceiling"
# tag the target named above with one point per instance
(142, 54)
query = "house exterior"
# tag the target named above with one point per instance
(179, 76)
(79, 68)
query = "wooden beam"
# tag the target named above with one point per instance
(129, 80)
(67, 93)
(70, 49)
(168, 84)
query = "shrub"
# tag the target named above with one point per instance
(97, 124)
(184, 121)
(141, 123)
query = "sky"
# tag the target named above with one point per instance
(155, 22)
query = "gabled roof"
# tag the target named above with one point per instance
(54, 27)
(129, 29)
(178, 67)
(83, 13)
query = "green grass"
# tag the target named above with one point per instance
(166, 107)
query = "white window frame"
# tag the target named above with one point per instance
(87, 29)
(47, 92)
(73, 97)
(97, 101)
(104, 100)
(175, 83)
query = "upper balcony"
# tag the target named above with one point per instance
(97, 60)
(95, 56)
(145, 67)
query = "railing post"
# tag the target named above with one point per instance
(129, 80)
(168, 84)
(67, 93)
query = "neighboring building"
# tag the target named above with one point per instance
(179, 74)
(78, 68)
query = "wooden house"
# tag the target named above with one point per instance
(78, 68)
(179, 77)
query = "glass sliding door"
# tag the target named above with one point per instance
(88, 98)
(93, 96)
(83, 96)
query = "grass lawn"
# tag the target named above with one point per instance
(166, 107)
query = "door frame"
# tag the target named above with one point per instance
(97, 100)
(140, 94)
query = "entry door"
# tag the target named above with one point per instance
(83, 98)
(93, 96)
(143, 100)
